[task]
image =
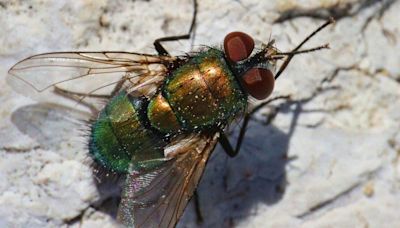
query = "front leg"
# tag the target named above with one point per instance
(224, 141)
(157, 43)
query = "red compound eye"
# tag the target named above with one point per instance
(259, 82)
(238, 46)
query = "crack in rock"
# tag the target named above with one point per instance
(337, 11)
(378, 14)
(19, 150)
(327, 204)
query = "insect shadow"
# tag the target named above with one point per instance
(231, 188)
(53, 126)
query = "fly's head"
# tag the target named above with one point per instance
(255, 70)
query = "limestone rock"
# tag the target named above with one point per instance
(329, 158)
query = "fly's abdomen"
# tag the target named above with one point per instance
(161, 116)
(119, 136)
(204, 92)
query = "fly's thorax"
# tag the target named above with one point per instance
(204, 92)
(161, 116)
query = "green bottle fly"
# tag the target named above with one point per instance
(163, 114)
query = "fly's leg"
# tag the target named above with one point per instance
(63, 92)
(157, 43)
(74, 96)
(79, 97)
(197, 207)
(224, 141)
(118, 86)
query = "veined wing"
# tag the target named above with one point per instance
(158, 197)
(86, 73)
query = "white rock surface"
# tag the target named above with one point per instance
(329, 159)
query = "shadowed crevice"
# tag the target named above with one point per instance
(337, 11)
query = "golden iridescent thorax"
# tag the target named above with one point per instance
(204, 92)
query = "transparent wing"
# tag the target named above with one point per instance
(158, 198)
(86, 74)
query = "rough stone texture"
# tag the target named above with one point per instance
(329, 158)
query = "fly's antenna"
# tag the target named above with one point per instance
(296, 51)
(325, 46)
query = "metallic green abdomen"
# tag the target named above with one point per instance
(204, 92)
(120, 138)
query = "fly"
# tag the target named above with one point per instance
(157, 118)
